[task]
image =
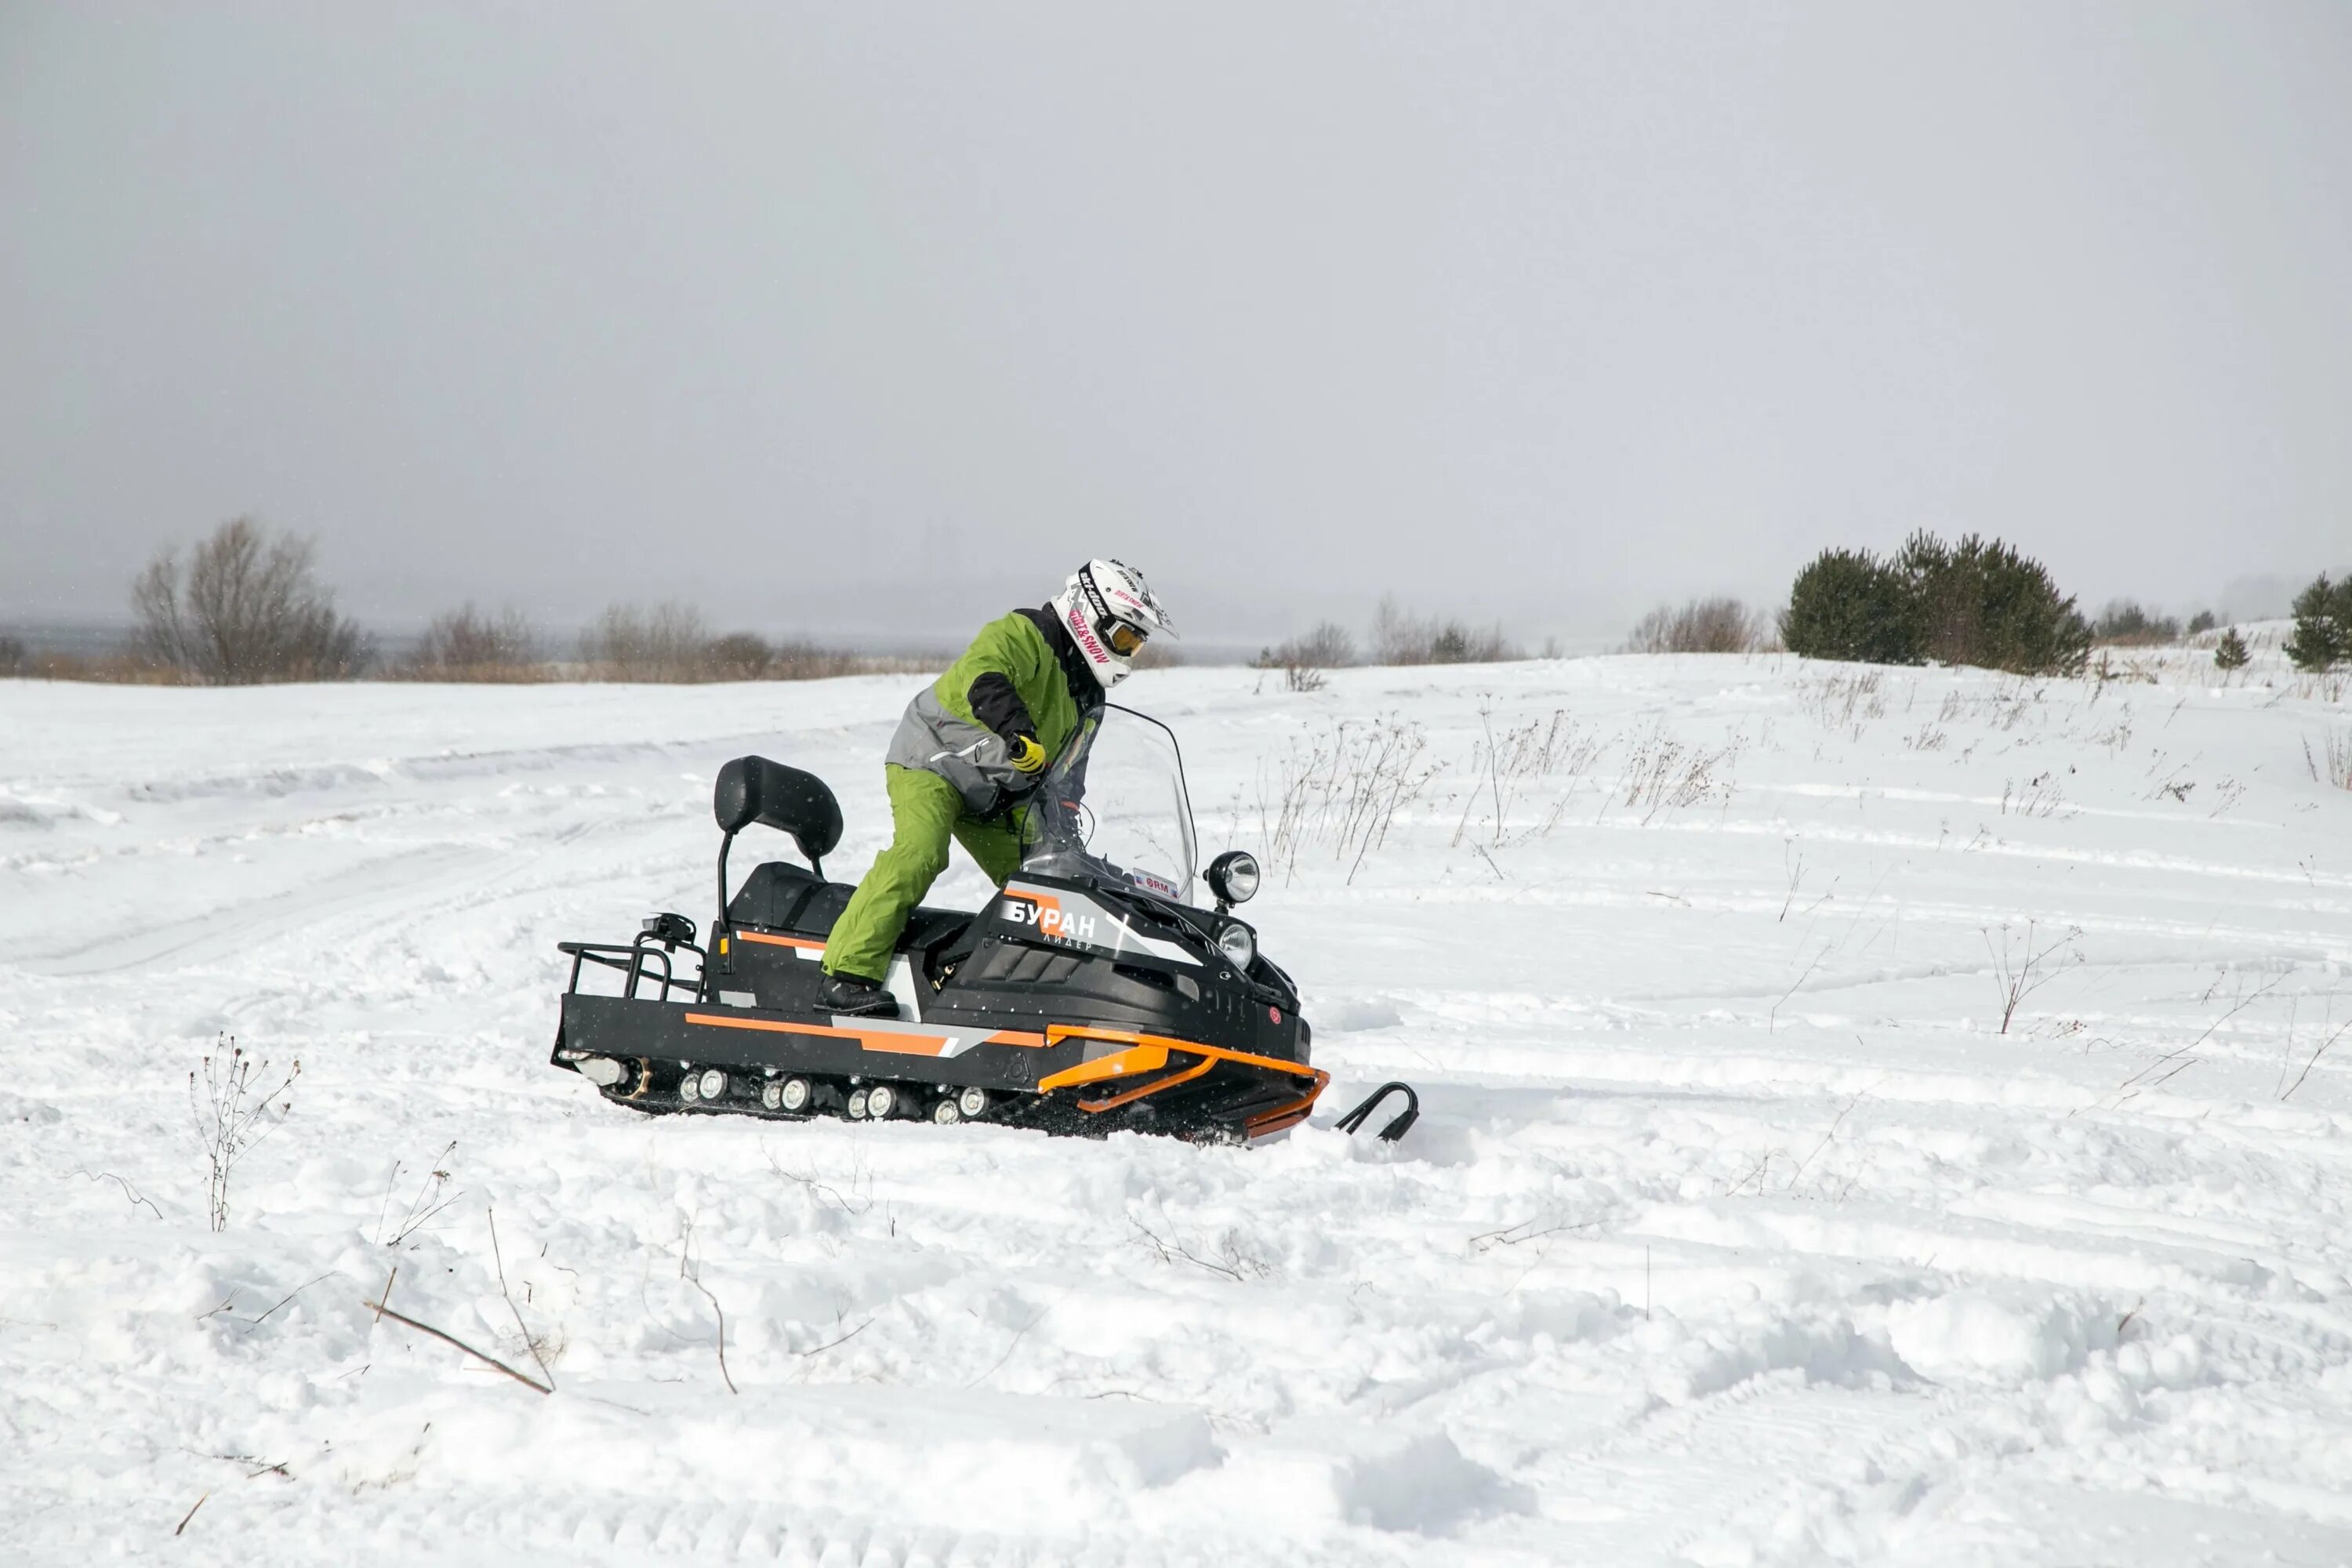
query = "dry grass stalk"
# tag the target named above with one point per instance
(1347, 790)
(2021, 973)
(380, 1310)
(231, 1114)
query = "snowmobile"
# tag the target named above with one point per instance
(1090, 995)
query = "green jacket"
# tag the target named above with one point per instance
(1013, 680)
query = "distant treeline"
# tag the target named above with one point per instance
(247, 606)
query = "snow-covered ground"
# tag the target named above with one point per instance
(1738, 1228)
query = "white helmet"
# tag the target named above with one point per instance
(1109, 611)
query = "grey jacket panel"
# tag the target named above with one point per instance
(972, 758)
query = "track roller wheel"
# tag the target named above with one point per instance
(881, 1101)
(859, 1102)
(786, 1094)
(972, 1103)
(689, 1086)
(711, 1086)
(946, 1112)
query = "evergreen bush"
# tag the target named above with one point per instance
(1984, 603)
(2231, 653)
(1979, 602)
(1849, 605)
(2322, 638)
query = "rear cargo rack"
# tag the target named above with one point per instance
(630, 958)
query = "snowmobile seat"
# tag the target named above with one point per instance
(778, 895)
(781, 896)
(753, 789)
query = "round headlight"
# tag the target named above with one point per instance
(1238, 943)
(1234, 876)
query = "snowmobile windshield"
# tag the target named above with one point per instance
(1113, 809)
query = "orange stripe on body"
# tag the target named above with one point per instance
(905, 1045)
(773, 1025)
(803, 944)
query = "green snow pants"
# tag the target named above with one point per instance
(924, 810)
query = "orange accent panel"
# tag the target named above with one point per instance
(1154, 1087)
(773, 1025)
(1119, 1064)
(1025, 1038)
(803, 944)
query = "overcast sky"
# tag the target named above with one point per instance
(879, 317)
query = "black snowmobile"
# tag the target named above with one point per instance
(1090, 995)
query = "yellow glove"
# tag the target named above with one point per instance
(1027, 754)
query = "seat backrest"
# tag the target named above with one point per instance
(753, 789)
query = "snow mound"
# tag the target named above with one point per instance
(1967, 1336)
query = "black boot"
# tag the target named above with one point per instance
(856, 996)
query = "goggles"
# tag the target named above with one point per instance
(1125, 638)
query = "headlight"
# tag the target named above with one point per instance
(1238, 943)
(1234, 877)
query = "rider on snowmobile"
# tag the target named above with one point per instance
(972, 748)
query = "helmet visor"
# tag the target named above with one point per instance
(1125, 638)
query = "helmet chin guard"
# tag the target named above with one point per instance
(1105, 606)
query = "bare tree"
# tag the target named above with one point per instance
(1303, 659)
(671, 642)
(629, 642)
(469, 644)
(800, 658)
(249, 608)
(739, 655)
(1699, 625)
(1400, 637)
